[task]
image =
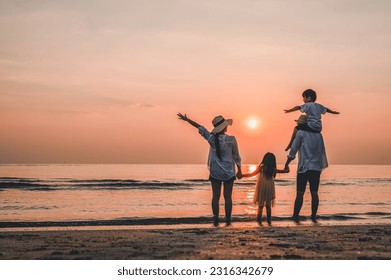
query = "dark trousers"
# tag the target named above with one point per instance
(313, 177)
(216, 188)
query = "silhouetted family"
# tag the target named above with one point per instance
(306, 140)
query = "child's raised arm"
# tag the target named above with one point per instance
(296, 108)
(331, 111)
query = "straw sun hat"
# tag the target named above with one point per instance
(220, 124)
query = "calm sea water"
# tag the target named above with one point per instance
(161, 193)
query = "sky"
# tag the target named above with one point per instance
(98, 81)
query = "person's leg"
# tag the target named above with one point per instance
(314, 179)
(259, 215)
(301, 183)
(292, 138)
(298, 205)
(228, 187)
(269, 214)
(216, 190)
(314, 205)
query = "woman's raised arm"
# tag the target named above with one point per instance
(185, 118)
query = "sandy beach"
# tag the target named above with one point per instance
(240, 241)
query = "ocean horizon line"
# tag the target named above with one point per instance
(149, 163)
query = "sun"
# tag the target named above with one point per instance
(253, 122)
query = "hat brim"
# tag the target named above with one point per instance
(223, 125)
(302, 119)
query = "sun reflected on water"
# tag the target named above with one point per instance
(252, 167)
(248, 195)
(251, 209)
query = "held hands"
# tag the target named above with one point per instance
(286, 168)
(239, 174)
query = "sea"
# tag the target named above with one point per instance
(55, 195)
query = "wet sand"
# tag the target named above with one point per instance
(239, 241)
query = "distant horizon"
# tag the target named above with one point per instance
(149, 163)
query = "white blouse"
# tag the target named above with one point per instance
(312, 152)
(223, 169)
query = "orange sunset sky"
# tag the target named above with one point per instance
(97, 81)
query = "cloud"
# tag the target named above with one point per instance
(145, 106)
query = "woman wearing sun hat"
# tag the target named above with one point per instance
(223, 155)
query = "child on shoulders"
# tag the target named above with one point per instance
(313, 111)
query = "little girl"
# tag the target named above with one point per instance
(265, 192)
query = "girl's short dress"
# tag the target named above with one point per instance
(265, 192)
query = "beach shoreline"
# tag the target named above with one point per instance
(200, 242)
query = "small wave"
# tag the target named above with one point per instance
(340, 217)
(35, 184)
(377, 179)
(245, 183)
(197, 180)
(121, 184)
(333, 183)
(377, 214)
(367, 203)
(10, 207)
(115, 222)
(368, 181)
(93, 184)
(285, 180)
(129, 221)
(97, 180)
(16, 185)
(353, 216)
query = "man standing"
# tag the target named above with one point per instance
(312, 160)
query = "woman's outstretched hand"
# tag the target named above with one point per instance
(182, 117)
